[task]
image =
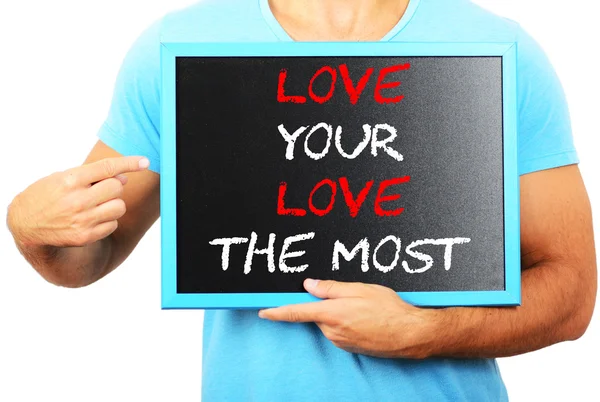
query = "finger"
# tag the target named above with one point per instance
(104, 190)
(103, 230)
(306, 312)
(333, 289)
(110, 167)
(108, 211)
(122, 178)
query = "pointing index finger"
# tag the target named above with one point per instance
(110, 167)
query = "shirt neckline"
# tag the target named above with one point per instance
(282, 35)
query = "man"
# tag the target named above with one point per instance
(362, 343)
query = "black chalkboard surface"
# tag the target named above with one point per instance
(378, 169)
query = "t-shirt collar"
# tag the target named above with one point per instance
(282, 35)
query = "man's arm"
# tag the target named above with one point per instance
(559, 278)
(559, 282)
(71, 255)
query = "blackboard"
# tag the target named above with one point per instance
(388, 169)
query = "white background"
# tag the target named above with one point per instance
(110, 341)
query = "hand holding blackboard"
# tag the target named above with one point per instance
(365, 318)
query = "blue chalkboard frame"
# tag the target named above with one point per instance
(511, 296)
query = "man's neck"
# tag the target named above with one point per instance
(338, 20)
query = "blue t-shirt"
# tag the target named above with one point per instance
(248, 358)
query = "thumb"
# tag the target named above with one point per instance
(329, 289)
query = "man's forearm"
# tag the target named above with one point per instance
(556, 306)
(69, 266)
(66, 266)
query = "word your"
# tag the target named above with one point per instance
(354, 204)
(371, 135)
(339, 249)
(354, 92)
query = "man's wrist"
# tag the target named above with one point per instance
(445, 333)
(429, 331)
(437, 330)
(457, 330)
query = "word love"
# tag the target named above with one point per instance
(354, 91)
(353, 203)
(339, 250)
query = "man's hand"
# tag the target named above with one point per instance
(75, 207)
(365, 318)
(73, 227)
(558, 283)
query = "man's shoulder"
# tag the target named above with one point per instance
(458, 21)
(216, 21)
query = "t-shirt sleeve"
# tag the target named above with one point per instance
(132, 126)
(544, 127)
